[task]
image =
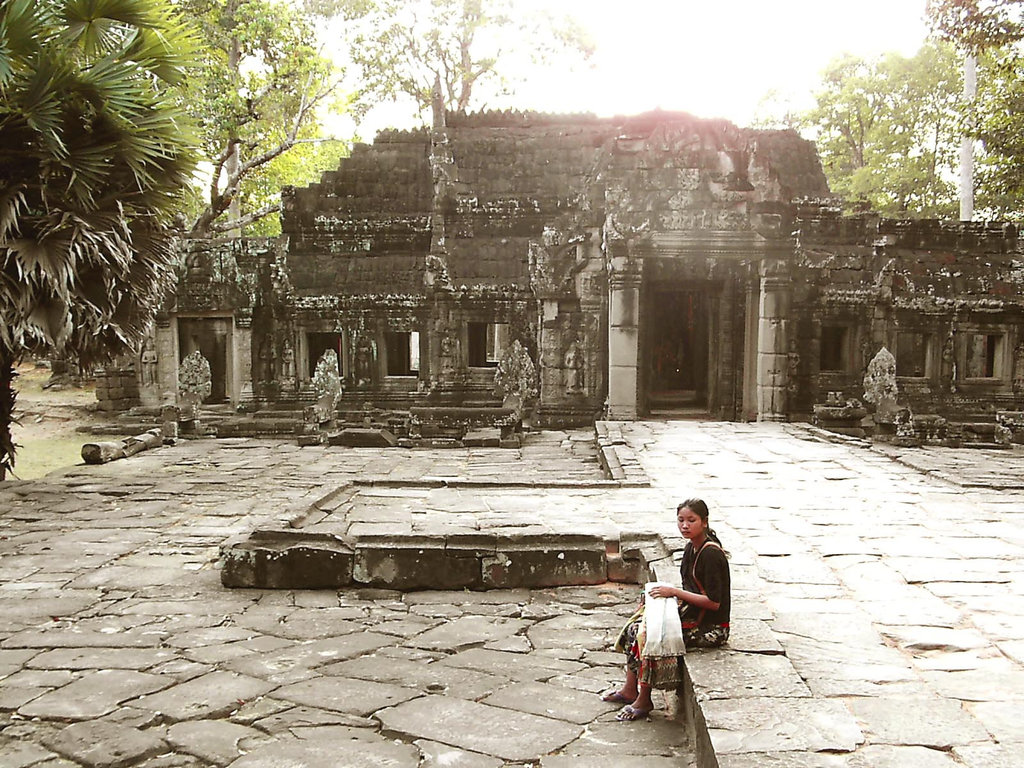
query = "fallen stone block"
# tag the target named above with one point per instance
(101, 453)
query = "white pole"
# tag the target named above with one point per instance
(967, 146)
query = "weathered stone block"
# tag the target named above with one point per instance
(273, 565)
(622, 570)
(554, 565)
(405, 565)
(483, 438)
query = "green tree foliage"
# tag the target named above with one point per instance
(993, 31)
(889, 130)
(476, 49)
(997, 120)
(977, 25)
(259, 99)
(93, 155)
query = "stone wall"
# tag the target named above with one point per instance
(365, 227)
(117, 388)
(927, 291)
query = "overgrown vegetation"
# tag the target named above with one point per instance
(94, 152)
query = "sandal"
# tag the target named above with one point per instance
(630, 713)
(614, 697)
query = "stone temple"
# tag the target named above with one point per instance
(651, 264)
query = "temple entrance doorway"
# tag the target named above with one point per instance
(210, 335)
(676, 364)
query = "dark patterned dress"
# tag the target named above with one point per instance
(705, 571)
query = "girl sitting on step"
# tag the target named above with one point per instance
(703, 604)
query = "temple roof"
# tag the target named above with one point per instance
(487, 184)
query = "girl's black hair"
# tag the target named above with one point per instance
(700, 508)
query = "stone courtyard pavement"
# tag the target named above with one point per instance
(878, 603)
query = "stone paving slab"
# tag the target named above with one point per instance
(420, 674)
(93, 695)
(991, 755)
(339, 694)
(553, 701)
(332, 747)
(782, 724)
(216, 694)
(100, 744)
(214, 741)
(934, 723)
(478, 727)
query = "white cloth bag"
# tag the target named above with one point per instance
(661, 620)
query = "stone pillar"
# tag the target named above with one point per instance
(167, 360)
(750, 348)
(549, 357)
(772, 341)
(623, 337)
(240, 365)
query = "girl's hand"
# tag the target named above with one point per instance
(662, 592)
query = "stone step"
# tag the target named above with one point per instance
(257, 427)
(294, 559)
(282, 413)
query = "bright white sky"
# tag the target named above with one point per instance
(712, 58)
(718, 58)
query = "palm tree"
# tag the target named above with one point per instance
(93, 155)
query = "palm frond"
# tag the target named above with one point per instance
(12, 203)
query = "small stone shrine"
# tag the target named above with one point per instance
(647, 265)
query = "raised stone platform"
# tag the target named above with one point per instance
(400, 533)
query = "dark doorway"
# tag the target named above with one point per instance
(677, 349)
(320, 343)
(210, 336)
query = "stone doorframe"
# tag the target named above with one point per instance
(766, 353)
(238, 363)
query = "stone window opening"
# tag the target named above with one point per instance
(835, 348)
(485, 344)
(984, 359)
(402, 350)
(913, 354)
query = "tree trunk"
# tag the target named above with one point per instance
(7, 395)
(234, 159)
